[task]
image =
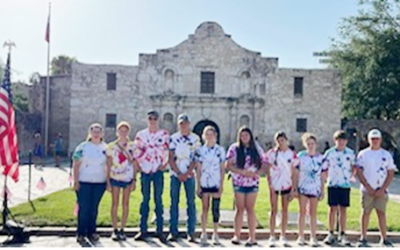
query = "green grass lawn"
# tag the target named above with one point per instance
(57, 209)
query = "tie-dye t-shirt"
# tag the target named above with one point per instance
(238, 179)
(375, 165)
(281, 163)
(93, 160)
(339, 164)
(151, 149)
(184, 149)
(122, 165)
(210, 159)
(310, 170)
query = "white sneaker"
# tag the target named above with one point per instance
(215, 239)
(271, 241)
(301, 241)
(344, 240)
(314, 242)
(284, 241)
(203, 239)
(330, 239)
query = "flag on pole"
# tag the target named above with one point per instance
(41, 184)
(3, 193)
(8, 133)
(47, 37)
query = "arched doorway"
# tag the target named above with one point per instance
(198, 128)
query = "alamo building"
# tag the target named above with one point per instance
(208, 76)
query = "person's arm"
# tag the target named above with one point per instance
(191, 168)
(76, 167)
(295, 180)
(109, 163)
(363, 181)
(382, 190)
(221, 189)
(172, 163)
(324, 176)
(198, 177)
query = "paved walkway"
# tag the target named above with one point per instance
(55, 241)
(55, 178)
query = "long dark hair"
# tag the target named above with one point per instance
(252, 150)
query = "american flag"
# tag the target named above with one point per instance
(8, 132)
(41, 185)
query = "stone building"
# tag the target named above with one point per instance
(214, 80)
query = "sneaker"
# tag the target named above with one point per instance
(271, 241)
(250, 244)
(203, 239)
(192, 238)
(215, 239)
(122, 235)
(345, 241)
(173, 238)
(94, 237)
(386, 243)
(141, 237)
(301, 241)
(330, 239)
(314, 242)
(81, 239)
(115, 236)
(362, 243)
(235, 240)
(284, 241)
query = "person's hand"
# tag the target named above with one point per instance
(370, 191)
(380, 192)
(353, 179)
(248, 173)
(220, 191)
(109, 188)
(322, 195)
(76, 186)
(199, 192)
(133, 186)
(181, 177)
(295, 193)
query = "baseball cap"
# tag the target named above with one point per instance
(152, 113)
(183, 118)
(374, 133)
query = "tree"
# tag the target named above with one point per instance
(62, 65)
(368, 57)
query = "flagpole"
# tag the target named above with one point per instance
(46, 126)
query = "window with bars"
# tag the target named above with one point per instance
(298, 86)
(301, 125)
(111, 120)
(111, 81)
(207, 83)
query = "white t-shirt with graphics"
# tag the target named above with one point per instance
(339, 164)
(210, 159)
(375, 165)
(184, 149)
(281, 163)
(93, 168)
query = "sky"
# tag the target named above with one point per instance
(117, 31)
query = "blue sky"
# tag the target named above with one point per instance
(116, 31)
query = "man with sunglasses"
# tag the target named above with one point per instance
(151, 153)
(375, 169)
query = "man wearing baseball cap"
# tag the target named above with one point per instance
(375, 169)
(183, 145)
(151, 153)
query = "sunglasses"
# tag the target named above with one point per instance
(153, 119)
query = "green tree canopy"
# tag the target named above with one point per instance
(62, 65)
(368, 57)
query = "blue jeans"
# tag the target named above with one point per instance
(191, 207)
(89, 197)
(158, 183)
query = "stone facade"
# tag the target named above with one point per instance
(248, 90)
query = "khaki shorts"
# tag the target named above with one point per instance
(369, 202)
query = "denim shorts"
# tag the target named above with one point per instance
(121, 184)
(245, 190)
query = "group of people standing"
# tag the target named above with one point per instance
(200, 169)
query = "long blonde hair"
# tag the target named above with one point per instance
(91, 127)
